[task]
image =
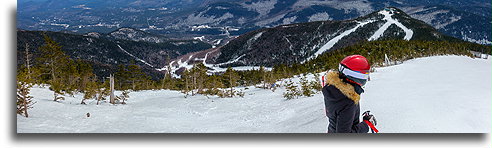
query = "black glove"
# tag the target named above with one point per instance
(367, 116)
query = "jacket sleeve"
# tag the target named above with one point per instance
(345, 122)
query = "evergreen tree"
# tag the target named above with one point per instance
(315, 84)
(198, 76)
(90, 90)
(213, 85)
(185, 76)
(231, 77)
(122, 77)
(52, 61)
(292, 92)
(24, 100)
(306, 88)
(58, 86)
(132, 77)
(136, 75)
(71, 75)
(168, 82)
(86, 75)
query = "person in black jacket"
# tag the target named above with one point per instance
(341, 91)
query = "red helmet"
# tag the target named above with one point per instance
(355, 68)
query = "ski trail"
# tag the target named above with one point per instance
(390, 21)
(205, 59)
(134, 56)
(180, 63)
(231, 61)
(212, 68)
(333, 41)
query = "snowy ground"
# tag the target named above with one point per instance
(427, 95)
(432, 95)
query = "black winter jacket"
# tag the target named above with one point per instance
(342, 106)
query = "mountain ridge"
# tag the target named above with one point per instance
(107, 53)
(460, 19)
(297, 43)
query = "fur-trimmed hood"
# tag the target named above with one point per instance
(333, 78)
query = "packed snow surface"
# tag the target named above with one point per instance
(443, 94)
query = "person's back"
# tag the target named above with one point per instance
(342, 111)
(341, 93)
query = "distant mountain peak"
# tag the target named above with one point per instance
(298, 43)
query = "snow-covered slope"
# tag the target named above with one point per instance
(390, 21)
(428, 95)
(445, 94)
(387, 13)
(333, 41)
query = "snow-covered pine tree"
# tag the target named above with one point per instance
(124, 96)
(315, 84)
(103, 91)
(24, 84)
(240, 93)
(24, 100)
(306, 88)
(291, 92)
